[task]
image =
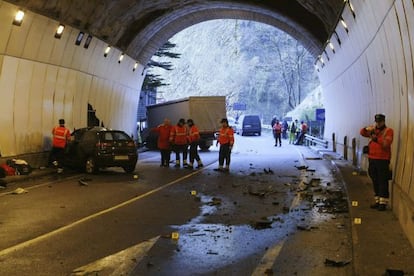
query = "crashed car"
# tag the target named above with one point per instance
(93, 148)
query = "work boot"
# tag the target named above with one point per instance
(200, 165)
(177, 164)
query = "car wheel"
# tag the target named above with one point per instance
(90, 165)
(129, 168)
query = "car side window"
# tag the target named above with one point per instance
(89, 137)
(77, 134)
(120, 136)
(108, 136)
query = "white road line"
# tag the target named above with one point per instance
(43, 184)
(120, 263)
(271, 255)
(268, 259)
(66, 227)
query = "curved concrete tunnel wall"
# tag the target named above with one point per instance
(372, 72)
(43, 79)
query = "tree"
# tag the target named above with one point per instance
(153, 81)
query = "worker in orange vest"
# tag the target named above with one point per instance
(178, 140)
(193, 139)
(226, 141)
(60, 137)
(163, 130)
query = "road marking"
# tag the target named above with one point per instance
(120, 263)
(268, 259)
(105, 211)
(43, 184)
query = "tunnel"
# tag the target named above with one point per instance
(363, 54)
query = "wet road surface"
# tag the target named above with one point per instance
(280, 210)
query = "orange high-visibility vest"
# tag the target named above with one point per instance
(60, 135)
(193, 134)
(226, 136)
(178, 135)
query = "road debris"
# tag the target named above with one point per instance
(333, 263)
(19, 191)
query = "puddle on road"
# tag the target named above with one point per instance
(206, 248)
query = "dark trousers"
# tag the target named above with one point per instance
(57, 154)
(299, 141)
(278, 138)
(165, 157)
(178, 149)
(224, 155)
(378, 171)
(194, 153)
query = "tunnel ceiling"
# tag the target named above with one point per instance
(140, 28)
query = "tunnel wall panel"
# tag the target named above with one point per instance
(43, 79)
(372, 72)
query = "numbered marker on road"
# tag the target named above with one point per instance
(175, 235)
(357, 220)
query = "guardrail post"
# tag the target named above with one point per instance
(346, 148)
(333, 142)
(354, 153)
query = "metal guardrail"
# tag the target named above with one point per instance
(311, 140)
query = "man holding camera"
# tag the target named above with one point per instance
(379, 156)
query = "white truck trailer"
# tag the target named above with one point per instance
(206, 112)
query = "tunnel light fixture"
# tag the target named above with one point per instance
(107, 50)
(351, 7)
(59, 31)
(79, 38)
(87, 42)
(337, 38)
(135, 67)
(344, 24)
(326, 54)
(331, 46)
(320, 58)
(18, 18)
(121, 57)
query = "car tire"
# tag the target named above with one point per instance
(90, 165)
(129, 169)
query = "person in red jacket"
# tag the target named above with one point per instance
(178, 139)
(60, 137)
(193, 139)
(163, 142)
(379, 156)
(277, 133)
(226, 141)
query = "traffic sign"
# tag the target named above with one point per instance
(320, 114)
(239, 106)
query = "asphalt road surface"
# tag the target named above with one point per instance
(280, 210)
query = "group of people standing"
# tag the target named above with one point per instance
(182, 138)
(296, 132)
